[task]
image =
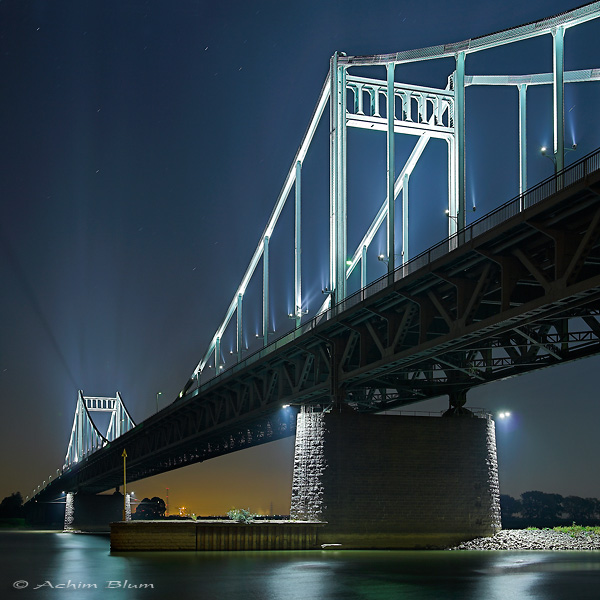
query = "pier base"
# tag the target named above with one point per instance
(213, 535)
(396, 481)
(92, 512)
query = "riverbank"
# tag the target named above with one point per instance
(534, 539)
(507, 539)
(205, 535)
(81, 562)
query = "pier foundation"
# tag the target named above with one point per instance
(382, 481)
(92, 512)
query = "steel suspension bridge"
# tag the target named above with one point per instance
(514, 291)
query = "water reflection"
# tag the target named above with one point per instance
(541, 575)
(301, 578)
(85, 562)
(82, 560)
(510, 578)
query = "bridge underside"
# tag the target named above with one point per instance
(521, 296)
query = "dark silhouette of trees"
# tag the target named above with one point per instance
(581, 510)
(149, 509)
(539, 509)
(540, 506)
(509, 507)
(12, 506)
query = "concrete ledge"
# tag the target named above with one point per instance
(222, 535)
(152, 535)
(393, 541)
(213, 535)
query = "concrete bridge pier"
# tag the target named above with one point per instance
(383, 481)
(47, 513)
(93, 512)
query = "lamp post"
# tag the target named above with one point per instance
(453, 217)
(552, 157)
(157, 395)
(385, 259)
(124, 455)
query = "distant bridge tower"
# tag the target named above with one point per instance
(85, 436)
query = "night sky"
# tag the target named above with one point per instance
(143, 146)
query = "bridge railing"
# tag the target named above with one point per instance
(480, 413)
(546, 188)
(565, 178)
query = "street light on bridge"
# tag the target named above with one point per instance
(552, 157)
(385, 259)
(453, 217)
(124, 455)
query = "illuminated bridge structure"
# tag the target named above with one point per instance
(514, 291)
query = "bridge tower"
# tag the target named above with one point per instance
(88, 511)
(85, 436)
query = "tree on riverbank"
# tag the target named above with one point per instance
(12, 506)
(582, 510)
(540, 506)
(149, 509)
(540, 509)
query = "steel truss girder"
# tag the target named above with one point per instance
(473, 315)
(232, 416)
(497, 359)
(492, 359)
(504, 282)
(100, 473)
(455, 302)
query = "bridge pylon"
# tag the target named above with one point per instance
(86, 438)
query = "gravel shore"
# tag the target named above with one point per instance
(533, 539)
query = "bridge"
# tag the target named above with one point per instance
(511, 292)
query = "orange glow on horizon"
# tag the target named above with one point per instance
(256, 478)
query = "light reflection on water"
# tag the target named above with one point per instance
(51, 559)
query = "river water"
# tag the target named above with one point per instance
(57, 565)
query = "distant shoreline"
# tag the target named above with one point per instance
(507, 539)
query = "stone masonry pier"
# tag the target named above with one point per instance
(394, 481)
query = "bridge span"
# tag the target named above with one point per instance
(517, 290)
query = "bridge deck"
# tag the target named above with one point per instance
(516, 291)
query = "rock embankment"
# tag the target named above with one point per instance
(533, 539)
